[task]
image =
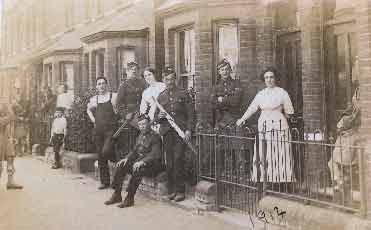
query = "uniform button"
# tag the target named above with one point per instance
(171, 99)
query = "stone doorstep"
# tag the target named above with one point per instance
(301, 216)
(72, 161)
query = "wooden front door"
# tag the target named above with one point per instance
(341, 71)
(288, 62)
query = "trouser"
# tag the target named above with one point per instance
(174, 156)
(57, 142)
(9, 166)
(150, 170)
(104, 147)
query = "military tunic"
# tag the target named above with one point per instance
(229, 109)
(148, 148)
(130, 95)
(179, 105)
(128, 101)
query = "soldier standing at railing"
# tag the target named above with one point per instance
(128, 100)
(7, 151)
(178, 104)
(226, 97)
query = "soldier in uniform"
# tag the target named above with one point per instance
(7, 151)
(128, 100)
(143, 160)
(226, 100)
(179, 105)
(226, 97)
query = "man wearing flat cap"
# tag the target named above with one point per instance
(128, 102)
(144, 160)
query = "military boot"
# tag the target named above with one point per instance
(115, 198)
(11, 184)
(128, 202)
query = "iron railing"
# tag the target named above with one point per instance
(247, 165)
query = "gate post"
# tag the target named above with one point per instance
(217, 173)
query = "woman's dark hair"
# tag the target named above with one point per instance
(273, 70)
(151, 70)
(99, 78)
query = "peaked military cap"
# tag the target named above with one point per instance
(223, 63)
(168, 70)
(131, 64)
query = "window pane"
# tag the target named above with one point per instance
(69, 76)
(187, 51)
(342, 80)
(128, 55)
(124, 55)
(186, 57)
(228, 45)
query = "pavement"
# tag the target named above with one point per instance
(59, 200)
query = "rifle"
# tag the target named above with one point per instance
(121, 128)
(172, 123)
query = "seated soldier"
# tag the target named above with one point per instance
(143, 160)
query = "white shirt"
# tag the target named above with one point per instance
(59, 126)
(102, 99)
(65, 100)
(147, 101)
(272, 102)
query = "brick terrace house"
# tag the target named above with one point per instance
(320, 47)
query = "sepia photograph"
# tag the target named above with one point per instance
(185, 114)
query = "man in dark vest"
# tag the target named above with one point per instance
(143, 160)
(128, 100)
(178, 103)
(102, 112)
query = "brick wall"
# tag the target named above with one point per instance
(311, 63)
(203, 19)
(364, 55)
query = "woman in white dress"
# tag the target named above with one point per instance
(275, 105)
(147, 105)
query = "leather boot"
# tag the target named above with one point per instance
(11, 184)
(128, 202)
(103, 186)
(115, 198)
(179, 197)
(170, 196)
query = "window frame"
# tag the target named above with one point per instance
(216, 25)
(177, 54)
(63, 80)
(119, 56)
